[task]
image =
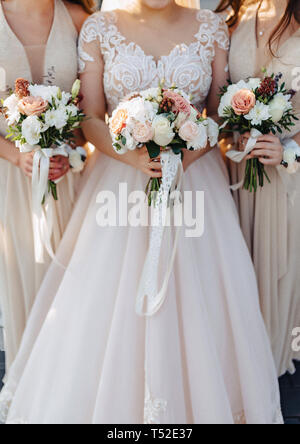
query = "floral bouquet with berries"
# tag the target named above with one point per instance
(42, 119)
(258, 106)
(163, 120)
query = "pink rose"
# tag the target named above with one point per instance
(180, 104)
(143, 133)
(32, 106)
(243, 102)
(189, 131)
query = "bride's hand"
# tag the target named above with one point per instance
(150, 167)
(59, 166)
(268, 150)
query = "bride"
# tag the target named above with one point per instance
(204, 357)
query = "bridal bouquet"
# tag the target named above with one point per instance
(42, 119)
(259, 107)
(162, 120)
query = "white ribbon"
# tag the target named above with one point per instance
(43, 216)
(149, 299)
(239, 156)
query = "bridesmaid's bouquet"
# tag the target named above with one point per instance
(260, 107)
(162, 120)
(42, 119)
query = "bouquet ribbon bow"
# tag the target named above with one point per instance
(149, 298)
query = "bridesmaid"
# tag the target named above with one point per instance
(268, 31)
(38, 42)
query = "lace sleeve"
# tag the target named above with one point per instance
(222, 33)
(89, 49)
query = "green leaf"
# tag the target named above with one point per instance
(153, 150)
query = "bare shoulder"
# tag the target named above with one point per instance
(78, 14)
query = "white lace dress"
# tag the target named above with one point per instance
(82, 360)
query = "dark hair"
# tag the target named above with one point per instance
(292, 11)
(88, 5)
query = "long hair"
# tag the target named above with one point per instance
(88, 5)
(292, 11)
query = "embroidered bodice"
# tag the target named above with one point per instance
(127, 68)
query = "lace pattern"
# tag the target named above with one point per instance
(153, 408)
(128, 68)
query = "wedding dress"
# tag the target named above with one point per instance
(82, 360)
(270, 218)
(20, 275)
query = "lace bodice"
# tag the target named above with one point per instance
(127, 68)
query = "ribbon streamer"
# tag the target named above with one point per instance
(43, 216)
(149, 299)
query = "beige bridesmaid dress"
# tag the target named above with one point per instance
(20, 276)
(271, 219)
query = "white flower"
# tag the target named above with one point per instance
(72, 109)
(46, 92)
(194, 114)
(65, 98)
(213, 132)
(279, 105)
(131, 144)
(31, 130)
(259, 114)
(151, 93)
(289, 156)
(201, 140)
(253, 84)
(57, 118)
(163, 132)
(227, 99)
(77, 159)
(180, 120)
(11, 104)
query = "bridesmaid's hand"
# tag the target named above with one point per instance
(268, 150)
(59, 166)
(142, 161)
(25, 163)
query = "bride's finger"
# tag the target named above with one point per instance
(155, 166)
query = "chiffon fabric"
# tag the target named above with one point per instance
(82, 360)
(20, 276)
(270, 219)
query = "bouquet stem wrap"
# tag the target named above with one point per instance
(43, 217)
(238, 156)
(149, 298)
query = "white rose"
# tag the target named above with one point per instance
(201, 140)
(130, 142)
(194, 114)
(227, 99)
(11, 104)
(163, 132)
(279, 105)
(180, 120)
(213, 132)
(151, 93)
(31, 130)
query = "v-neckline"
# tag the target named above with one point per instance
(156, 60)
(23, 47)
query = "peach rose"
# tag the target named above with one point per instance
(118, 122)
(32, 106)
(180, 104)
(143, 133)
(243, 102)
(189, 131)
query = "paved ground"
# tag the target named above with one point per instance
(290, 393)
